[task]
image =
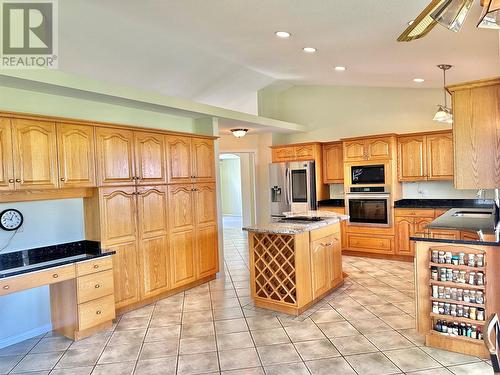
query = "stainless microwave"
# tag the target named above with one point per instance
(368, 174)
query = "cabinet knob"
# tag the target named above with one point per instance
(63, 179)
(6, 287)
(97, 286)
(55, 276)
(98, 312)
(11, 180)
(18, 180)
(96, 266)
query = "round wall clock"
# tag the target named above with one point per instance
(11, 219)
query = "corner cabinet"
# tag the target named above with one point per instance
(476, 120)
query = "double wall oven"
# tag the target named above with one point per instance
(368, 200)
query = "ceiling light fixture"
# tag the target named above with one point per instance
(452, 13)
(490, 17)
(443, 113)
(283, 34)
(238, 133)
(340, 68)
(309, 49)
(418, 80)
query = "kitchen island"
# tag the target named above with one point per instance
(293, 262)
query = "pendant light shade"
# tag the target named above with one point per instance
(452, 13)
(490, 17)
(443, 113)
(238, 133)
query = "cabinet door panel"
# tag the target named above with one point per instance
(319, 266)
(203, 160)
(125, 273)
(207, 250)
(283, 154)
(412, 161)
(440, 157)
(183, 257)
(6, 161)
(179, 159)
(354, 150)
(115, 157)
(206, 204)
(152, 213)
(404, 229)
(118, 215)
(333, 164)
(150, 158)
(181, 215)
(76, 151)
(378, 149)
(421, 224)
(335, 261)
(154, 265)
(304, 152)
(35, 154)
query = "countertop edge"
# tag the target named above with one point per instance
(448, 241)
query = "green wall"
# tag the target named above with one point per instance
(230, 185)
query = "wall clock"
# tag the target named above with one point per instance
(11, 219)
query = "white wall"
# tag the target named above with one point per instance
(27, 314)
(230, 186)
(439, 190)
(247, 165)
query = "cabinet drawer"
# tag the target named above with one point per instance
(323, 232)
(96, 312)
(370, 243)
(95, 285)
(94, 265)
(416, 212)
(36, 279)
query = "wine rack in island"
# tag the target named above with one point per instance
(455, 285)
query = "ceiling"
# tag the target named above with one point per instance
(221, 52)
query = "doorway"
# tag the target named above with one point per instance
(237, 176)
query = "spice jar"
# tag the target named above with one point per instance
(448, 257)
(454, 260)
(460, 294)
(480, 260)
(466, 311)
(442, 274)
(441, 292)
(435, 307)
(472, 278)
(462, 277)
(441, 307)
(453, 310)
(472, 313)
(461, 259)
(441, 257)
(456, 276)
(480, 313)
(435, 291)
(447, 308)
(471, 260)
(479, 297)
(460, 310)
(466, 296)
(472, 294)
(447, 292)
(480, 278)
(435, 256)
(454, 294)
(474, 332)
(449, 274)
(434, 273)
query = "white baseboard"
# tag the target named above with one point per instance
(11, 340)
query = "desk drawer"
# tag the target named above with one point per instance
(96, 312)
(36, 279)
(94, 265)
(95, 285)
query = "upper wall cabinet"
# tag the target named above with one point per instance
(76, 155)
(424, 157)
(368, 149)
(150, 153)
(190, 159)
(115, 157)
(476, 120)
(35, 154)
(297, 152)
(333, 163)
(6, 161)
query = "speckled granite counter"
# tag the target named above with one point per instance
(294, 227)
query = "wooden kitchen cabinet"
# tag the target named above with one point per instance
(205, 204)
(282, 154)
(354, 150)
(476, 120)
(425, 157)
(333, 163)
(115, 157)
(405, 228)
(76, 155)
(304, 152)
(150, 158)
(320, 264)
(190, 159)
(152, 203)
(125, 273)
(296, 152)
(6, 157)
(207, 251)
(35, 154)
(376, 148)
(203, 160)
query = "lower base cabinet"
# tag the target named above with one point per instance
(183, 258)
(326, 264)
(125, 273)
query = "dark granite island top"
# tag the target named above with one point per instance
(30, 260)
(444, 203)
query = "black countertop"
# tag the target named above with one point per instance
(331, 203)
(24, 261)
(428, 238)
(444, 203)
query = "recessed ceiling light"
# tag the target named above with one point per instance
(340, 68)
(409, 23)
(309, 49)
(282, 34)
(418, 80)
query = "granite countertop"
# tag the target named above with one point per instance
(30, 260)
(444, 203)
(331, 203)
(281, 227)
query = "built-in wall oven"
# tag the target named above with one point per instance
(369, 206)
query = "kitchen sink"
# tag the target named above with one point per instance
(474, 214)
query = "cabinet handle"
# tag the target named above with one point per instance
(63, 179)
(18, 180)
(11, 180)
(328, 244)
(97, 286)
(55, 276)
(98, 312)
(96, 266)
(6, 287)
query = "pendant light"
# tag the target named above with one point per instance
(238, 133)
(452, 13)
(443, 113)
(490, 17)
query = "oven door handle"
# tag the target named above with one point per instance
(367, 196)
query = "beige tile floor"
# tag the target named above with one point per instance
(366, 327)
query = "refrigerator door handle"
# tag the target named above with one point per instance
(287, 186)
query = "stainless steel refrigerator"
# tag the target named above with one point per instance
(292, 187)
